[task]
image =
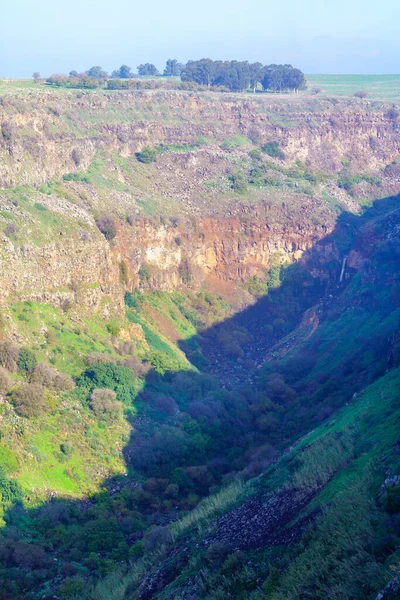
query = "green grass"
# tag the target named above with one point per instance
(382, 87)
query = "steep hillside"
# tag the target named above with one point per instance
(199, 346)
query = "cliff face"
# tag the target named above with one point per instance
(222, 239)
(225, 250)
(61, 273)
(44, 128)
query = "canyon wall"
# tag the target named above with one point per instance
(48, 133)
(41, 130)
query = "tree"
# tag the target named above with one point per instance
(232, 74)
(73, 74)
(256, 75)
(124, 72)
(173, 68)
(97, 73)
(36, 76)
(148, 69)
(201, 71)
(282, 78)
(361, 94)
(57, 79)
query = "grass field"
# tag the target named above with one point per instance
(384, 87)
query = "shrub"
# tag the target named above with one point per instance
(104, 403)
(49, 377)
(254, 135)
(10, 490)
(10, 229)
(66, 448)
(7, 131)
(156, 537)
(361, 94)
(217, 553)
(98, 358)
(113, 328)
(238, 182)
(147, 155)
(31, 400)
(111, 376)
(273, 150)
(392, 114)
(9, 353)
(76, 177)
(136, 366)
(144, 273)
(316, 90)
(123, 272)
(106, 224)
(26, 360)
(255, 154)
(76, 156)
(5, 381)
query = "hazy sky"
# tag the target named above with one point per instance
(318, 36)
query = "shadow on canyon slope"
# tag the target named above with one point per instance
(314, 280)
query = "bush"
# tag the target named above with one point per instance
(49, 377)
(26, 360)
(9, 353)
(104, 403)
(273, 150)
(31, 400)
(5, 381)
(136, 366)
(156, 537)
(238, 182)
(147, 155)
(10, 490)
(66, 448)
(255, 154)
(10, 229)
(7, 131)
(110, 376)
(113, 328)
(392, 114)
(76, 156)
(106, 224)
(361, 94)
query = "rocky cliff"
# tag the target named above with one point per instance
(67, 157)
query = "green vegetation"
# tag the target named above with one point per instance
(272, 149)
(147, 155)
(254, 423)
(383, 87)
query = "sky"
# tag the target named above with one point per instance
(318, 36)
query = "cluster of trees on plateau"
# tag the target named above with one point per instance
(241, 75)
(230, 75)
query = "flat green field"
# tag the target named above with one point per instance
(384, 87)
(380, 87)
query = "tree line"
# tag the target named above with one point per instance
(232, 75)
(241, 75)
